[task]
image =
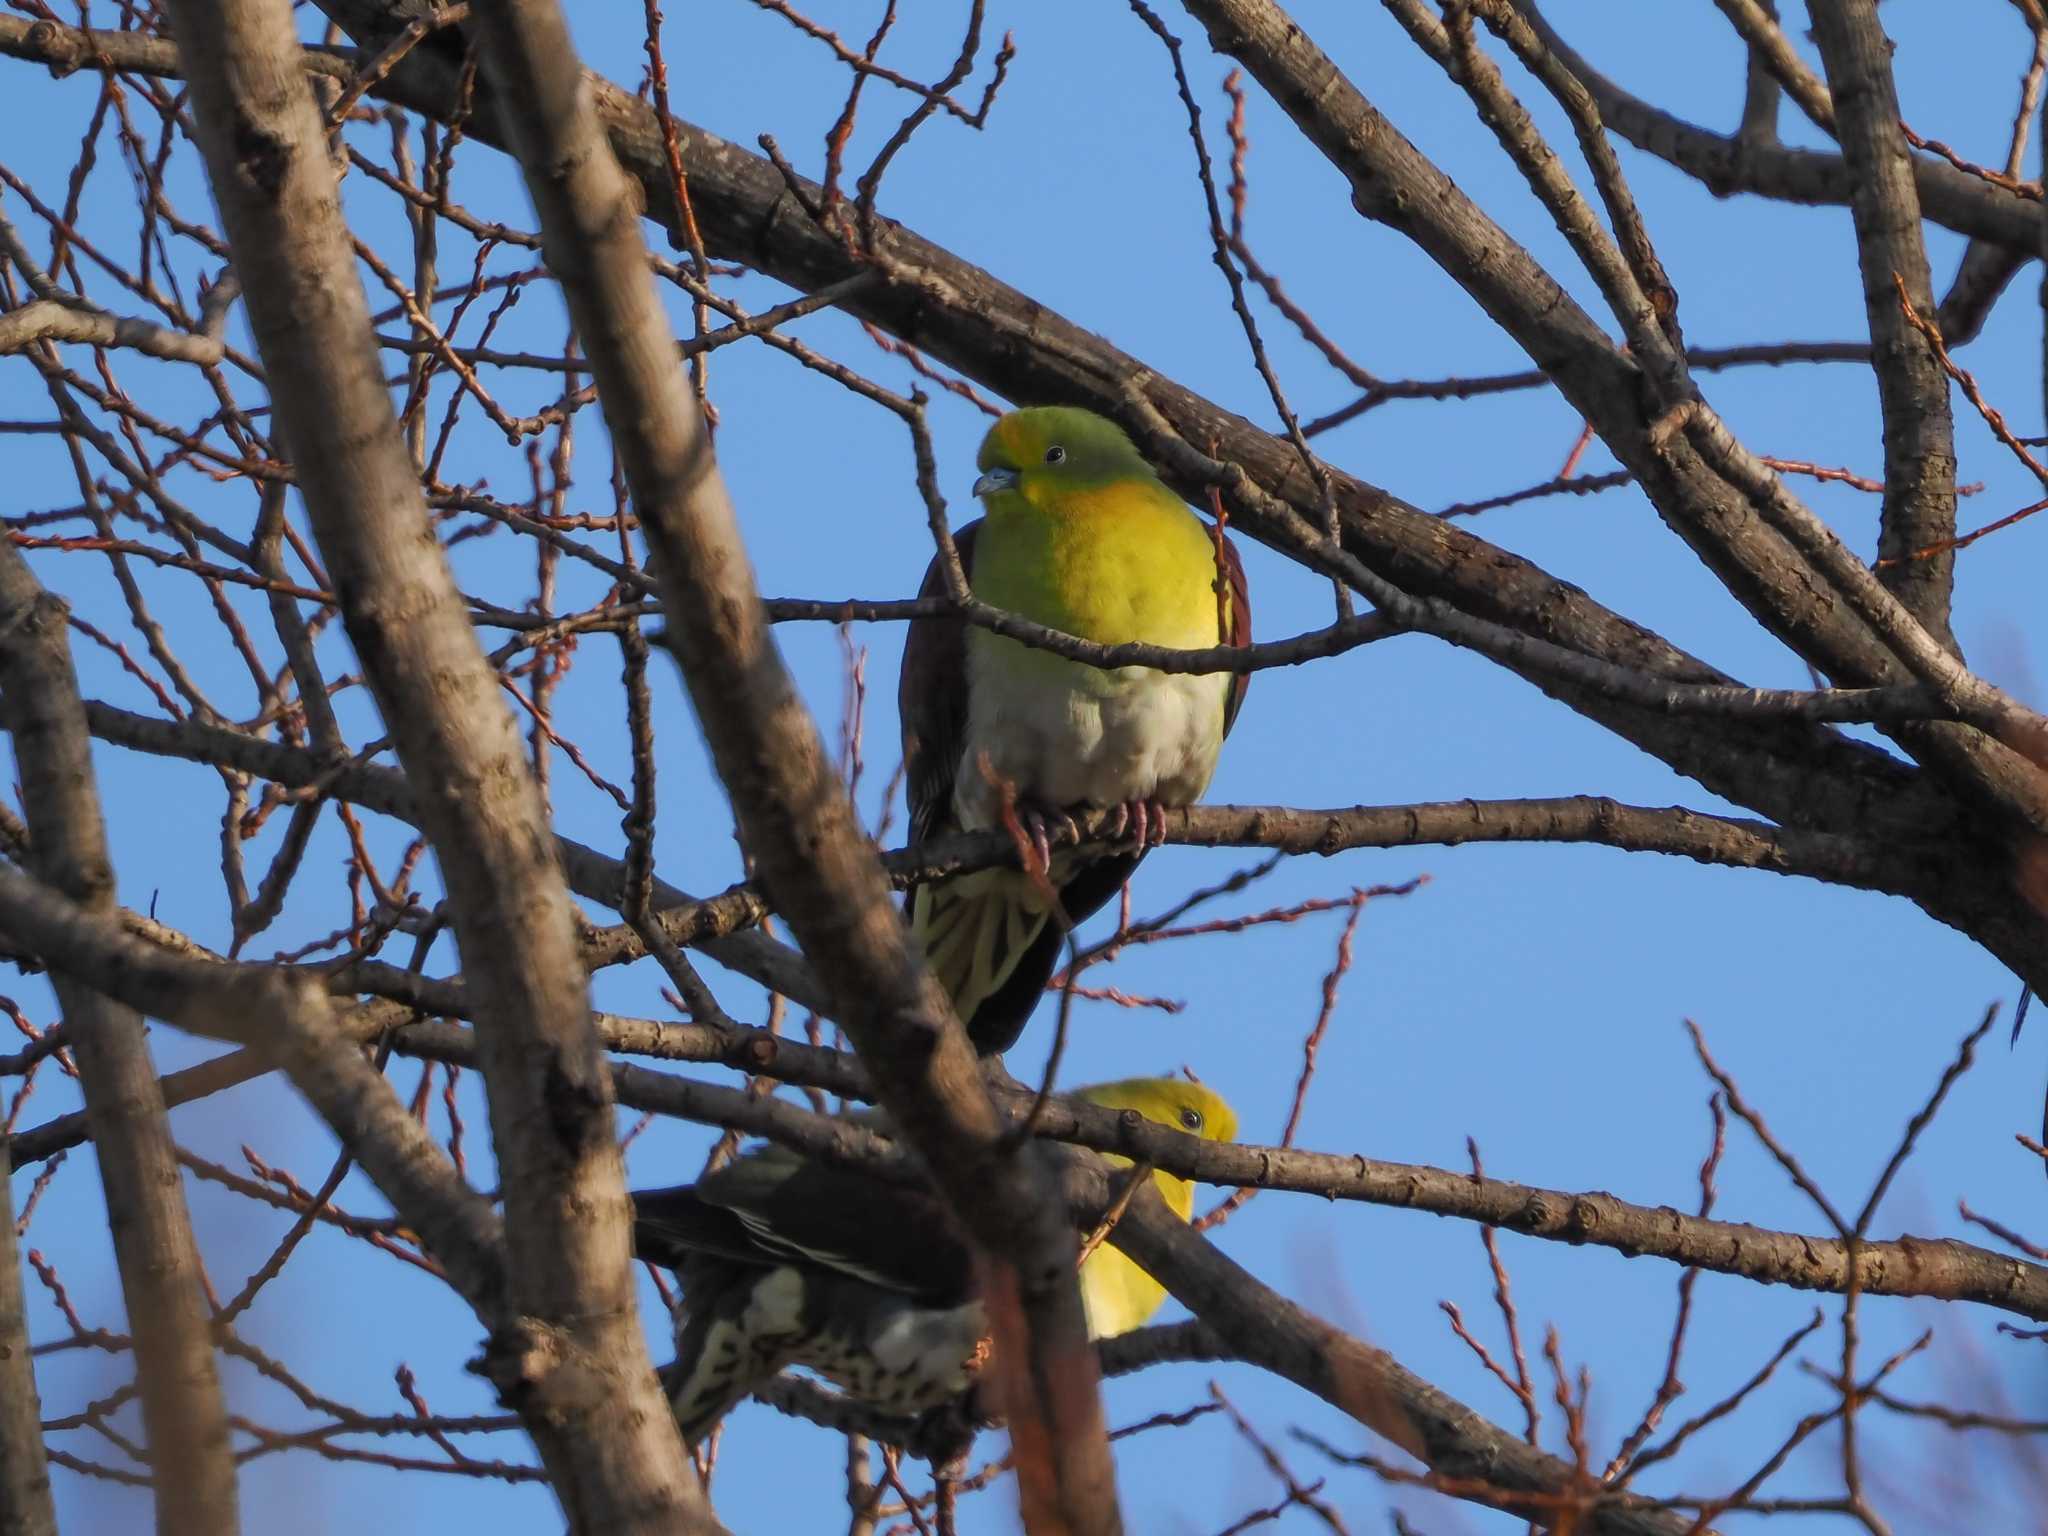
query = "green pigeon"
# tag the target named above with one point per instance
(1082, 536)
(786, 1261)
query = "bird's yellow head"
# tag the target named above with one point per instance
(1118, 1295)
(1051, 450)
(1195, 1108)
(1171, 1101)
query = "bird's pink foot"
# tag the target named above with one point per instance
(1142, 820)
(1040, 823)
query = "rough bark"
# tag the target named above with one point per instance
(1723, 164)
(183, 1411)
(1799, 775)
(25, 1505)
(571, 1358)
(1010, 342)
(1919, 436)
(1467, 1454)
(1750, 532)
(286, 1021)
(794, 817)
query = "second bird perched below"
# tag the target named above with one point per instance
(788, 1261)
(1081, 536)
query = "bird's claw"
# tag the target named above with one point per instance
(1039, 828)
(1142, 820)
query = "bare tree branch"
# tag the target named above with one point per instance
(48, 320)
(183, 1410)
(1757, 22)
(1982, 276)
(26, 1508)
(287, 1022)
(1467, 1455)
(142, 481)
(716, 923)
(221, 999)
(965, 316)
(1726, 165)
(1672, 830)
(1919, 436)
(793, 812)
(1743, 524)
(1940, 1267)
(572, 1358)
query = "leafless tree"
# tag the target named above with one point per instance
(337, 467)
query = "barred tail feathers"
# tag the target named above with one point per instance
(976, 929)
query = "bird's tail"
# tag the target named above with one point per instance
(993, 940)
(990, 939)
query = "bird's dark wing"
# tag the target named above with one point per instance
(673, 1226)
(931, 698)
(772, 1206)
(1240, 631)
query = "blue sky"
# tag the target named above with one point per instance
(1529, 997)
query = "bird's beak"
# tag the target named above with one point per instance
(996, 480)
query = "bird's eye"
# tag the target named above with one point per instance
(1055, 454)
(1191, 1118)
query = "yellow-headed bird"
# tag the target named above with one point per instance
(1081, 536)
(785, 1261)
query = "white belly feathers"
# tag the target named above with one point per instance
(1065, 734)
